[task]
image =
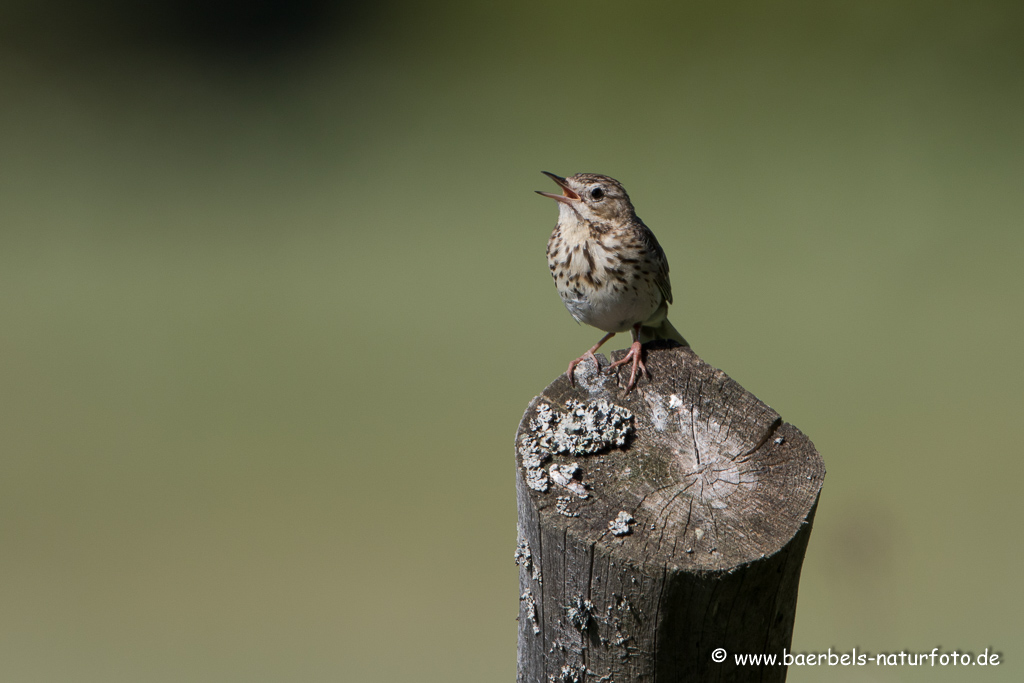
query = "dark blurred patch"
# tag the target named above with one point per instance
(231, 30)
(246, 29)
(467, 31)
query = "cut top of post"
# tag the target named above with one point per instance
(689, 470)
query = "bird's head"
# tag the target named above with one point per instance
(593, 197)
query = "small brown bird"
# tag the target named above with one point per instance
(609, 268)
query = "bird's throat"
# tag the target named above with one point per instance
(574, 228)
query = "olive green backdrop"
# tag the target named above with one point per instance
(273, 297)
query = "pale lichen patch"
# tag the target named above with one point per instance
(537, 479)
(524, 557)
(569, 477)
(579, 613)
(621, 525)
(569, 674)
(562, 504)
(530, 607)
(659, 416)
(582, 429)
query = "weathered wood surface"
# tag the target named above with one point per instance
(638, 560)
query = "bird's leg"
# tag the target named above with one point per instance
(634, 356)
(588, 354)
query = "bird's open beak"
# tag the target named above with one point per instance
(567, 196)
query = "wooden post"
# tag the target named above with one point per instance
(658, 529)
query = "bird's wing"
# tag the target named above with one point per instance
(659, 258)
(663, 282)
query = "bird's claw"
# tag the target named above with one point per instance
(572, 366)
(633, 355)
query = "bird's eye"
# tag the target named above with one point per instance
(597, 194)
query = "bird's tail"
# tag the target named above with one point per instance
(664, 330)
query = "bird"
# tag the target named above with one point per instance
(608, 267)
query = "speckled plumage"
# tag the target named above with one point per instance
(608, 266)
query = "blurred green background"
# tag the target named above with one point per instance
(273, 299)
